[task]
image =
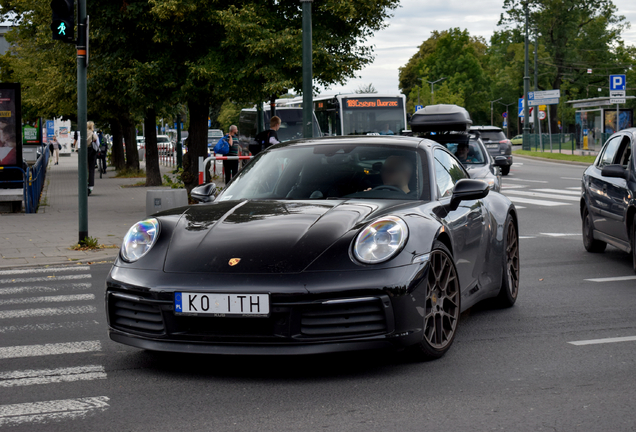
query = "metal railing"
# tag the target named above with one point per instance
(203, 163)
(32, 181)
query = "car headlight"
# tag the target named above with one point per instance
(491, 183)
(381, 240)
(139, 239)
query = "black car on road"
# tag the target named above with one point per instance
(319, 245)
(608, 203)
(499, 147)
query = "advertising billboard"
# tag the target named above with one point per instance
(10, 133)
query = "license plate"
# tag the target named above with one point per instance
(492, 146)
(222, 304)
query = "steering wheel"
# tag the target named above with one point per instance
(389, 188)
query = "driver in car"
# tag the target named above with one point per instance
(396, 173)
(463, 155)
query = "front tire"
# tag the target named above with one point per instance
(510, 279)
(634, 244)
(442, 306)
(591, 245)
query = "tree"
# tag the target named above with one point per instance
(366, 88)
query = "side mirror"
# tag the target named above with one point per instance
(467, 190)
(616, 171)
(204, 193)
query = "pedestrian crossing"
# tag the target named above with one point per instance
(532, 192)
(41, 309)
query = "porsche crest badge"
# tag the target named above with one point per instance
(234, 261)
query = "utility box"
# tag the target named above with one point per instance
(165, 199)
(30, 154)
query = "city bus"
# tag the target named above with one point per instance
(358, 114)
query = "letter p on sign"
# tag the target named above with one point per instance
(617, 82)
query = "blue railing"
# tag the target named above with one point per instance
(32, 181)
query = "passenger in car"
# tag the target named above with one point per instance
(396, 171)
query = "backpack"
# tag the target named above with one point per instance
(222, 147)
(262, 142)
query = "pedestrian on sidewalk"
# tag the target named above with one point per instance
(75, 138)
(92, 149)
(101, 155)
(231, 166)
(54, 148)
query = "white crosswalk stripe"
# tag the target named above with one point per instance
(541, 196)
(45, 279)
(55, 410)
(542, 203)
(50, 376)
(38, 288)
(560, 191)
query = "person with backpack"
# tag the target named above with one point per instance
(267, 138)
(92, 149)
(231, 166)
(101, 154)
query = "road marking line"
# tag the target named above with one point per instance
(48, 299)
(571, 178)
(55, 410)
(543, 195)
(46, 279)
(604, 341)
(48, 326)
(50, 376)
(578, 188)
(537, 202)
(67, 310)
(560, 234)
(527, 237)
(513, 186)
(49, 349)
(560, 191)
(519, 207)
(28, 289)
(612, 279)
(44, 270)
(529, 181)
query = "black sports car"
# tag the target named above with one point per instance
(319, 245)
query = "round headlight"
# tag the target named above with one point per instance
(139, 239)
(381, 240)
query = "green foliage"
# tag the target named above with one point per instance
(556, 156)
(229, 114)
(174, 179)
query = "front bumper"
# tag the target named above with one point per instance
(309, 313)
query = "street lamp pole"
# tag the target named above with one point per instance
(507, 118)
(526, 86)
(432, 83)
(308, 103)
(491, 110)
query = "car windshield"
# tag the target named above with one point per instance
(331, 171)
(492, 135)
(161, 140)
(468, 154)
(215, 133)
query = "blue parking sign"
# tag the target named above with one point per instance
(618, 82)
(418, 107)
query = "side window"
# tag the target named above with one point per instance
(624, 152)
(609, 152)
(447, 172)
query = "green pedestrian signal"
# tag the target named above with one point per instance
(63, 24)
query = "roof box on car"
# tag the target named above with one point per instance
(441, 118)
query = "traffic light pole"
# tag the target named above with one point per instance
(82, 164)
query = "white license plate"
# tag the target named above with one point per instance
(492, 146)
(222, 304)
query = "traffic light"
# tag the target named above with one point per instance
(63, 25)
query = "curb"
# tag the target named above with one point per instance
(566, 162)
(103, 260)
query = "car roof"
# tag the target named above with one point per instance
(486, 128)
(379, 140)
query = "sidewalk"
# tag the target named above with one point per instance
(46, 236)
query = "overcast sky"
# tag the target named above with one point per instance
(416, 19)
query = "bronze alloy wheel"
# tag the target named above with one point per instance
(442, 301)
(512, 260)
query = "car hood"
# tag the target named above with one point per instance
(266, 236)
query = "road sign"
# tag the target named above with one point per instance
(617, 82)
(546, 94)
(505, 123)
(617, 93)
(541, 115)
(539, 102)
(542, 107)
(520, 114)
(418, 107)
(505, 115)
(617, 101)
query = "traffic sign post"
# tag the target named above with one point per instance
(618, 85)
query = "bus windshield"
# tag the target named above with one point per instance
(377, 116)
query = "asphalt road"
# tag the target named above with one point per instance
(512, 370)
